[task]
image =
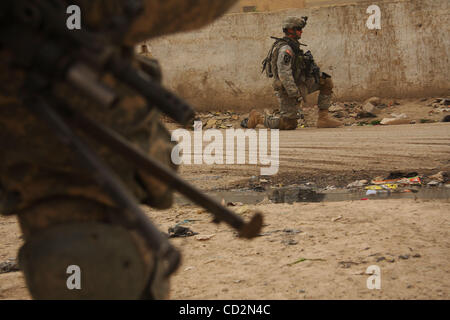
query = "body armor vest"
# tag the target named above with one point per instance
(298, 61)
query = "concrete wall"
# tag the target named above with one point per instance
(219, 67)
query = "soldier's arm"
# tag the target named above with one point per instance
(284, 64)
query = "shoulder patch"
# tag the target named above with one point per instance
(287, 58)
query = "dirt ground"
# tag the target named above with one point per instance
(336, 157)
(306, 251)
(311, 250)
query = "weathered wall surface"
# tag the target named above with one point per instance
(219, 67)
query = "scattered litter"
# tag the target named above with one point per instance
(204, 237)
(303, 259)
(291, 231)
(189, 268)
(404, 257)
(290, 242)
(438, 176)
(348, 264)
(371, 192)
(357, 183)
(336, 219)
(433, 183)
(387, 186)
(9, 265)
(234, 204)
(401, 181)
(179, 231)
(364, 198)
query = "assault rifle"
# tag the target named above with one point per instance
(48, 53)
(312, 68)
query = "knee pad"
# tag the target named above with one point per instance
(326, 86)
(272, 122)
(84, 261)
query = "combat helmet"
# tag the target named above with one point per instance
(294, 23)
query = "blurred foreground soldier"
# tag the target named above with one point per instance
(82, 242)
(295, 76)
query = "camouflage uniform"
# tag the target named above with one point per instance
(61, 209)
(290, 90)
(292, 83)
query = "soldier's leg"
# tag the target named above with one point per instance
(254, 118)
(110, 261)
(289, 114)
(325, 86)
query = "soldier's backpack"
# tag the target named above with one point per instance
(270, 59)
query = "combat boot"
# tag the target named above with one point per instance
(254, 119)
(324, 120)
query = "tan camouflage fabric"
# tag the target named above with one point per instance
(35, 165)
(289, 87)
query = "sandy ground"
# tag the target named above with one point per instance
(339, 156)
(332, 243)
(336, 242)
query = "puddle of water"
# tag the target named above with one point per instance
(307, 194)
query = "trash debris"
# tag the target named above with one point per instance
(9, 265)
(438, 176)
(402, 181)
(336, 219)
(189, 268)
(348, 264)
(401, 175)
(371, 192)
(387, 186)
(357, 183)
(179, 231)
(303, 259)
(290, 242)
(234, 204)
(291, 231)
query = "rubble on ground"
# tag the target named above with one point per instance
(371, 112)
